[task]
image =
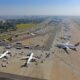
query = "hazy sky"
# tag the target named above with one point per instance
(39, 7)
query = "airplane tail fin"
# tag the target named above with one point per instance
(67, 42)
(77, 44)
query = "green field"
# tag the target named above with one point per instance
(24, 26)
(5, 37)
(20, 28)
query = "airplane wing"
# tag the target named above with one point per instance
(5, 54)
(34, 59)
(25, 58)
(66, 49)
(2, 55)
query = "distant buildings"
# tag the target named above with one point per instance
(6, 25)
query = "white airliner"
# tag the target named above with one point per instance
(32, 34)
(67, 46)
(4, 55)
(29, 59)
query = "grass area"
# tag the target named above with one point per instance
(5, 37)
(20, 28)
(24, 26)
